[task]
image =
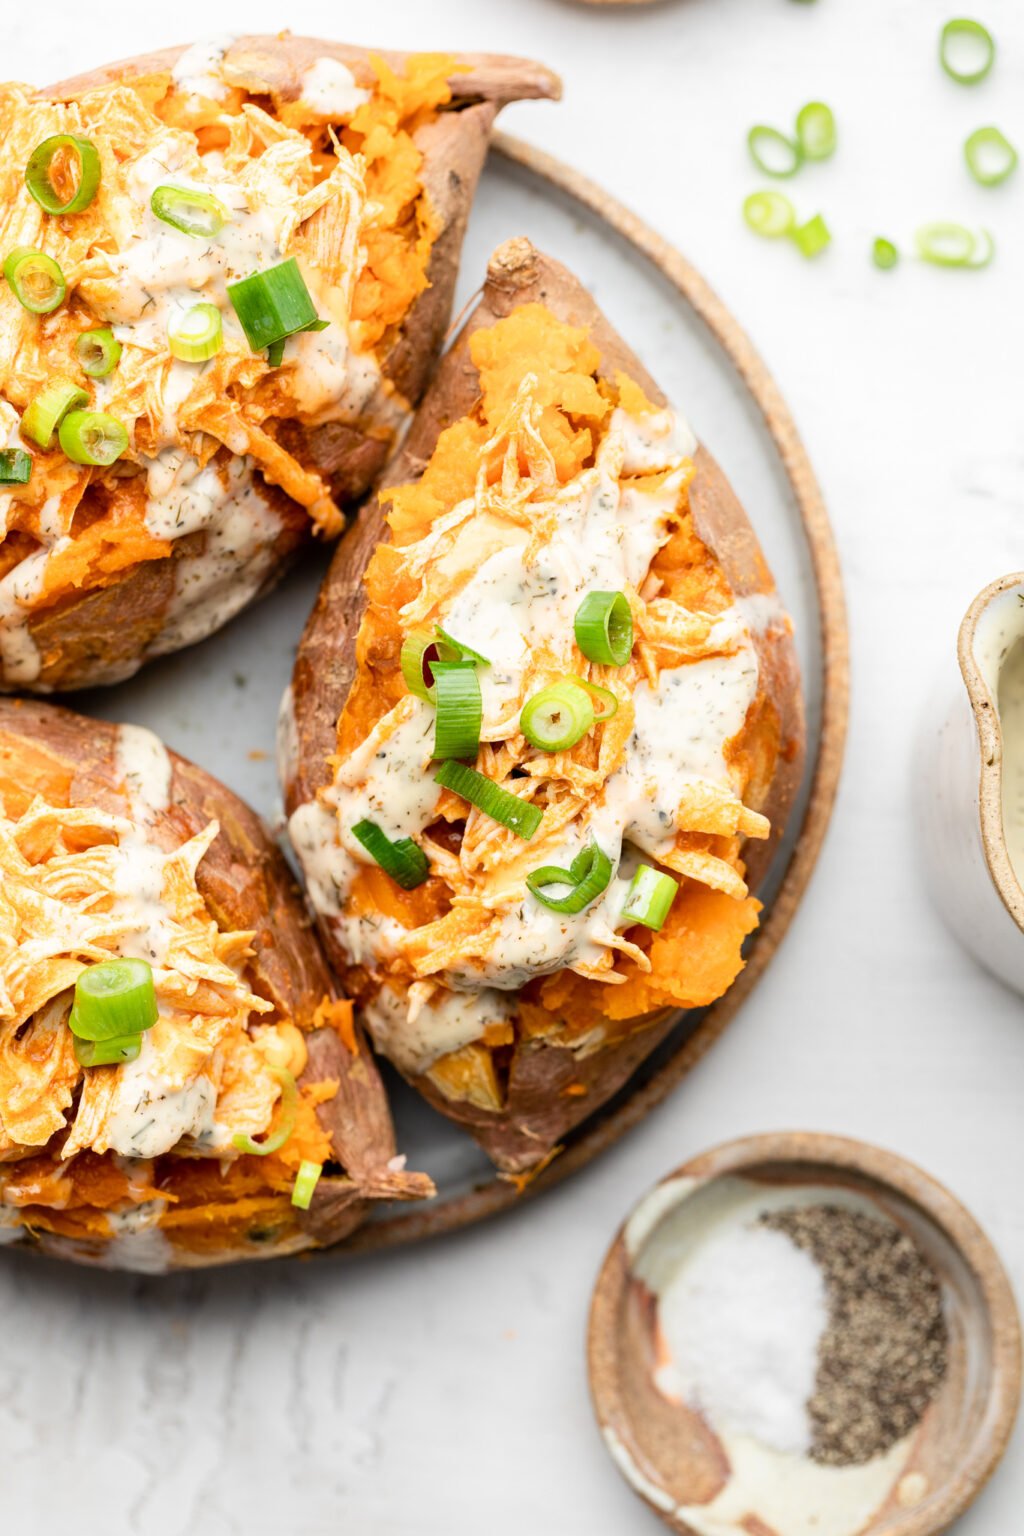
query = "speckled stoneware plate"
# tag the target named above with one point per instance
(670, 1455)
(218, 702)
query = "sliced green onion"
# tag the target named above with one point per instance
(93, 437)
(35, 279)
(464, 652)
(884, 254)
(40, 184)
(286, 1121)
(403, 860)
(98, 352)
(816, 131)
(459, 709)
(275, 353)
(604, 628)
(990, 156)
(417, 663)
(198, 214)
(47, 410)
(773, 153)
(604, 696)
(650, 897)
(196, 335)
(519, 816)
(306, 1181)
(973, 44)
(15, 466)
(273, 304)
(556, 718)
(107, 1053)
(953, 245)
(113, 999)
(769, 214)
(588, 875)
(813, 237)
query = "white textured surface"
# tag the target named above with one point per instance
(443, 1390)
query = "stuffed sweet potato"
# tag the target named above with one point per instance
(559, 588)
(227, 271)
(185, 1146)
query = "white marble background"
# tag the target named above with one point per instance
(443, 1390)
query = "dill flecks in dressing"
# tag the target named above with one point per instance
(329, 89)
(145, 767)
(415, 1037)
(199, 70)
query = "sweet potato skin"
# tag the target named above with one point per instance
(540, 1109)
(247, 886)
(102, 637)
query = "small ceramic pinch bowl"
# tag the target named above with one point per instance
(706, 1484)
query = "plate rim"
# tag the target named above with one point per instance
(415, 1223)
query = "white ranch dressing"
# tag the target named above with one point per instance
(999, 653)
(199, 70)
(328, 88)
(149, 1117)
(145, 767)
(136, 1242)
(415, 1035)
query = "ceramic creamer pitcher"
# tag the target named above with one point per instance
(971, 786)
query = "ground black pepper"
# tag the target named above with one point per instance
(884, 1351)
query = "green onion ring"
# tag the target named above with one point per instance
(519, 816)
(953, 245)
(36, 280)
(813, 237)
(650, 897)
(113, 999)
(765, 143)
(589, 875)
(884, 254)
(98, 352)
(37, 173)
(769, 214)
(47, 410)
(107, 1053)
(816, 130)
(556, 718)
(990, 156)
(197, 335)
(459, 709)
(403, 860)
(15, 466)
(273, 304)
(960, 31)
(984, 250)
(609, 704)
(286, 1124)
(306, 1180)
(417, 663)
(198, 214)
(604, 628)
(92, 437)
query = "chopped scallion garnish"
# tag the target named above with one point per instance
(15, 466)
(285, 1121)
(967, 50)
(107, 1053)
(953, 245)
(769, 214)
(113, 999)
(519, 816)
(607, 704)
(604, 628)
(816, 131)
(403, 860)
(556, 718)
(47, 410)
(459, 709)
(273, 304)
(92, 437)
(650, 897)
(306, 1181)
(197, 335)
(587, 876)
(813, 237)
(98, 352)
(198, 214)
(990, 156)
(35, 279)
(773, 153)
(884, 254)
(39, 178)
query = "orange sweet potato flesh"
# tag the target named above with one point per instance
(345, 679)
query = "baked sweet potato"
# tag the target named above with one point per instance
(112, 846)
(542, 466)
(200, 168)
